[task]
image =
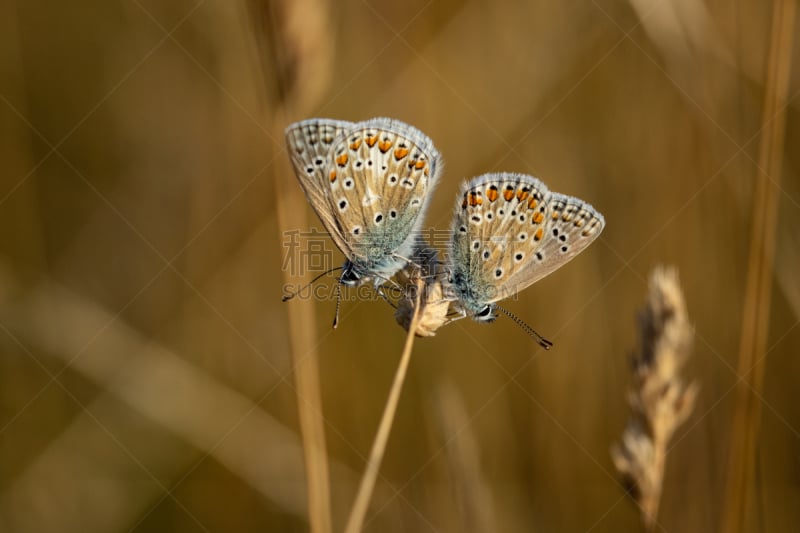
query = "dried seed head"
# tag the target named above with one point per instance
(434, 306)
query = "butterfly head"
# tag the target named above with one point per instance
(352, 276)
(486, 314)
(470, 298)
(357, 273)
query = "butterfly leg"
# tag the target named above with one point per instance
(383, 295)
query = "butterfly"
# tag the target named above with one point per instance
(509, 232)
(369, 183)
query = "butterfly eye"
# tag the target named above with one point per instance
(486, 311)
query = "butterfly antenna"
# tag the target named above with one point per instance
(304, 287)
(544, 343)
(338, 303)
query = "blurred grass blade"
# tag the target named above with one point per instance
(758, 288)
(301, 52)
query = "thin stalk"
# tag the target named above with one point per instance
(758, 287)
(302, 322)
(293, 41)
(359, 510)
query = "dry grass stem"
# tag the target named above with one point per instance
(361, 503)
(301, 46)
(660, 400)
(758, 287)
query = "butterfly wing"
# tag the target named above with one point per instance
(379, 186)
(503, 235)
(570, 226)
(309, 143)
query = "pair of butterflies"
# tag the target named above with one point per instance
(370, 183)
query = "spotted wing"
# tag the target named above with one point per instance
(382, 175)
(571, 226)
(507, 233)
(309, 143)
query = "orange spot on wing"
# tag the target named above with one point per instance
(355, 144)
(400, 153)
(521, 195)
(464, 203)
(420, 164)
(341, 160)
(538, 217)
(332, 176)
(372, 140)
(426, 172)
(538, 235)
(532, 203)
(474, 199)
(508, 195)
(384, 146)
(555, 215)
(491, 194)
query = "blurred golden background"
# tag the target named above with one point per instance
(147, 375)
